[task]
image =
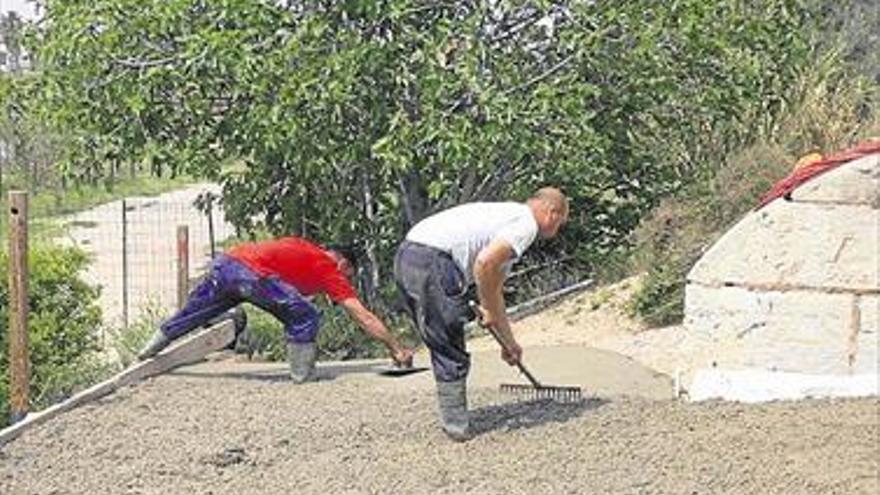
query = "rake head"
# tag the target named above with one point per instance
(530, 392)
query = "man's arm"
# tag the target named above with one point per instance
(374, 327)
(489, 277)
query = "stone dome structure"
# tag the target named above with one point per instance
(795, 285)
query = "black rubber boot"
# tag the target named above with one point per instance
(157, 342)
(452, 399)
(301, 358)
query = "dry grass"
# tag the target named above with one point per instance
(833, 110)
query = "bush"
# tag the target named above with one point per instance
(660, 299)
(265, 334)
(338, 339)
(833, 108)
(129, 340)
(63, 326)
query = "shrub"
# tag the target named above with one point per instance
(338, 339)
(265, 334)
(63, 326)
(129, 340)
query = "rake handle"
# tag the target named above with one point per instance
(522, 369)
(494, 333)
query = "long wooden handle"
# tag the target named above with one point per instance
(494, 333)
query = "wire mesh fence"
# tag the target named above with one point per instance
(57, 342)
(133, 248)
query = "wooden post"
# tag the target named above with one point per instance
(182, 264)
(19, 359)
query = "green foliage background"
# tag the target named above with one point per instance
(355, 119)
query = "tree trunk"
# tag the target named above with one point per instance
(414, 197)
(303, 217)
(114, 168)
(468, 184)
(372, 281)
(4, 149)
(34, 176)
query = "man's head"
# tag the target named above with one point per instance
(346, 256)
(550, 208)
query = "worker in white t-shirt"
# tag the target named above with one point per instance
(473, 243)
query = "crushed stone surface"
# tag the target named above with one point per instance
(234, 433)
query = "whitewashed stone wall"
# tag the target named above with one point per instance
(795, 286)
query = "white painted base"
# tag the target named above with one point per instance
(757, 385)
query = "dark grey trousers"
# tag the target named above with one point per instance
(436, 298)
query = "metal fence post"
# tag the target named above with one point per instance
(182, 264)
(124, 263)
(19, 352)
(211, 239)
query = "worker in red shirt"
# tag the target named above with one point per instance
(277, 276)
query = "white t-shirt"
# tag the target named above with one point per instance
(463, 231)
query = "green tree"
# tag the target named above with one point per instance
(357, 118)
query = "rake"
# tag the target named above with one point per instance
(536, 390)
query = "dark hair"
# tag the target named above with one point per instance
(348, 251)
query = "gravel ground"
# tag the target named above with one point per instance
(201, 431)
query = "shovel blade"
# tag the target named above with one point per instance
(392, 370)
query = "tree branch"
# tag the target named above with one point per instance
(540, 77)
(511, 31)
(130, 63)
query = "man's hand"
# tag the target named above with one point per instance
(511, 353)
(486, 318)
(403, 357)
(371, 324)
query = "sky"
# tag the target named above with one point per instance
(23, 7)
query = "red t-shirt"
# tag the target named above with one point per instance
(299, 263)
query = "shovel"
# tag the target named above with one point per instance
(536, 390)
